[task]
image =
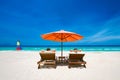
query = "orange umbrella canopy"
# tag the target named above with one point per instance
(62, 36)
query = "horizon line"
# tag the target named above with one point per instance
(55, 45)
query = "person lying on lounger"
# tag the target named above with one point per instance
(49, 50)
(75, 50)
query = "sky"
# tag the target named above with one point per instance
(25, 20)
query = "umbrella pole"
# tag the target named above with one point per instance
(61, 48)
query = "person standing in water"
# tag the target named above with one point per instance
(18, 45)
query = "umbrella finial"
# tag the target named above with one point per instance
(61, 30)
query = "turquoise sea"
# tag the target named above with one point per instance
(65, 48)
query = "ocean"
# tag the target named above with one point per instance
(65, 48)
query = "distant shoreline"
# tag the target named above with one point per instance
(60, 45)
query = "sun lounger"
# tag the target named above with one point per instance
(47, 60)
(76, 60)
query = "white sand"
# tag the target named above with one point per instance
(22, 65)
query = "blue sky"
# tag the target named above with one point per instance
(25, 20)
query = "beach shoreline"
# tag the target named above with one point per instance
(22, 65)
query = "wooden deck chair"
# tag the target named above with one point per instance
(76, 60)
(47, 60)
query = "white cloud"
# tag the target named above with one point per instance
(110, 33)
(101, 33)
(105, 38)
(104, 35)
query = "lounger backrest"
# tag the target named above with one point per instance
(76, 56)
(47, 56)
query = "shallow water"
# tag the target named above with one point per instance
(83, 48)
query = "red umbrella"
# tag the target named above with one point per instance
(62, 36)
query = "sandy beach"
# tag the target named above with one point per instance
(22, 65)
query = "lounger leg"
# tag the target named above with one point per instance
(39, 66)
(84, 65)
(55, 66)
(69, 66)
